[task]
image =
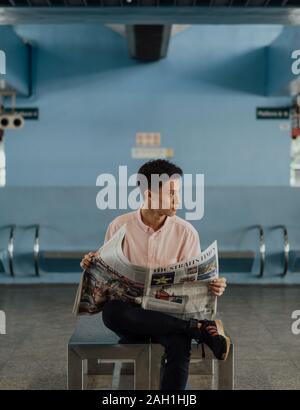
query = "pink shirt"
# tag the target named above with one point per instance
(175, 241)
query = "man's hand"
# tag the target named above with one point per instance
(217, 286)
(87, 260)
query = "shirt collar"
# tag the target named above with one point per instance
(147, 228)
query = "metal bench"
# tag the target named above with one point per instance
(91, 342)
(94, 349)
(236, 261)
(61, 261)
(222, 371)
(2, 257)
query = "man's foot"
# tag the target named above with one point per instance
(211, 332)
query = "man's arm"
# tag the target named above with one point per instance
(111, 230)
(108, 234)
(86, 261)
(192, 249)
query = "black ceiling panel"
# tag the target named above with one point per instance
(151, 3)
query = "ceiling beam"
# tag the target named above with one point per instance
(151, 15)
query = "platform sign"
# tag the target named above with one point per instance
(271, 113)
(26, 113)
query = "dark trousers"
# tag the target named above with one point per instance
(136, 325)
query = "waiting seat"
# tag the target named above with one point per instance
(93, 344)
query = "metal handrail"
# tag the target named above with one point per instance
(36, 250)
(10, 250)
(36, 246)
(262, 251)
(286, 248)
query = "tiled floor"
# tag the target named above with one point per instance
(40, 322)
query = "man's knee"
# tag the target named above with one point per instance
(115, 313)
(111, 313)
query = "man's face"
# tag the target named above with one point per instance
(168, 198)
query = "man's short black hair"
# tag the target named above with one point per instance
(158, 167)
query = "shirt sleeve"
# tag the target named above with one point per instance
(110, 232)
(191, 248)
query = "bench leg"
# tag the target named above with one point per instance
(142, 369)
(75, 370)
(156, 354)
(92, 366)
(116, 376)
(226, 371)
(139, 354)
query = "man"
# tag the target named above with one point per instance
(156, 236)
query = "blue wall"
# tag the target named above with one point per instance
(202, 98)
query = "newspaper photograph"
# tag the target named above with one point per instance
(179, 289)
(182, 289)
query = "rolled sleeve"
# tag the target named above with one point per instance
(109, 232)
(192, 247)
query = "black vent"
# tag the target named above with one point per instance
(148, 42)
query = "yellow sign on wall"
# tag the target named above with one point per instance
(148, 146)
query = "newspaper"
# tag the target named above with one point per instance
(180, 289)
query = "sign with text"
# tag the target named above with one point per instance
(271, 113)
(26, 113)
